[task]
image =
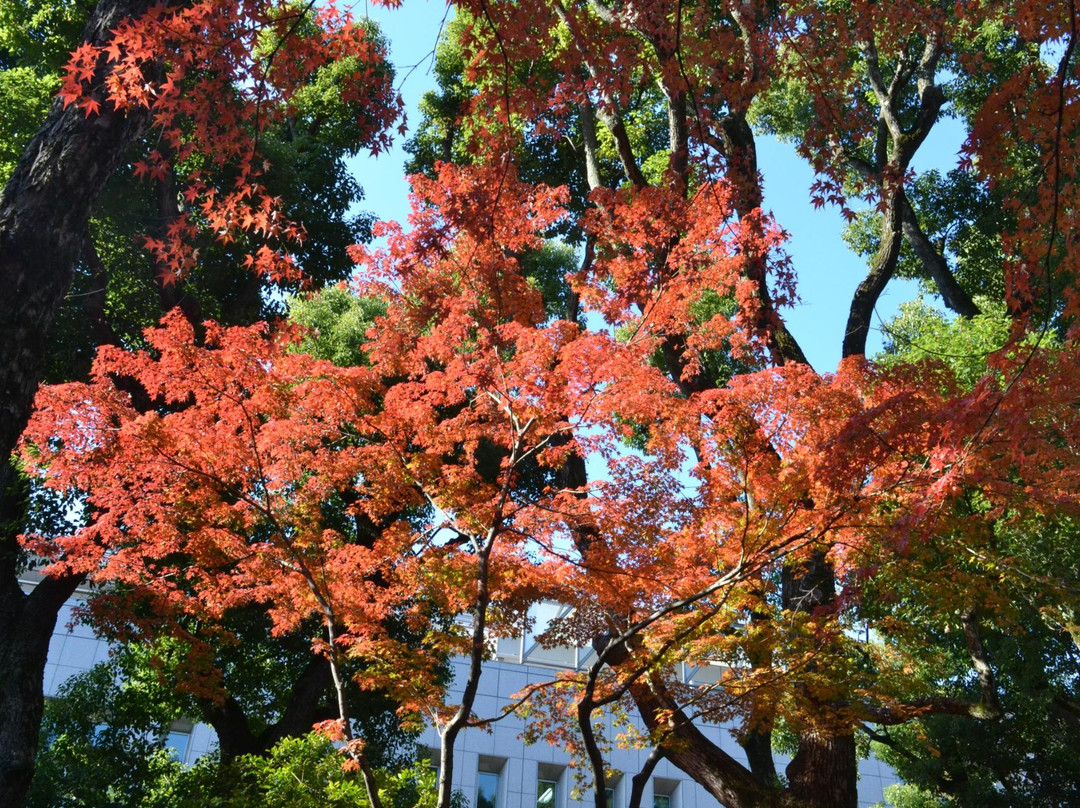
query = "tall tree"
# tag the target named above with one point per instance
(860, 91)
(208, 79)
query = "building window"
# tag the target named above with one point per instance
(664, 793)
(545, 793)
(613, 793)
(488, 775)
(177, 742)
(487, 790)
(549, 792)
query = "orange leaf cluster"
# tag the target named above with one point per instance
(215, 74)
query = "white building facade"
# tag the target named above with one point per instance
(494, 768)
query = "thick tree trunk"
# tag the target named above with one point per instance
(757, 744)
(44, 210)
(26, 625)
(731, 783)
(824, 772)
(756, 740)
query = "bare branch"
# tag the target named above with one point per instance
(954, 295)
(886, 102)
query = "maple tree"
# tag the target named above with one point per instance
(891, 125)
(754, 512)
(173, 663)
(309, 437)
(197, 95)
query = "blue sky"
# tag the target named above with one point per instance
(828, 271)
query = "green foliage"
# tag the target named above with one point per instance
(960, 217)
(547, 269)
(437, 137)
(111, 754)
(1019, 575)
(40, 31)
(304, 772)
(1000, 54)
(239, 659)
(337, 322)
(36, 37)
(103, 746)
(308, 172)
(718, 366)
(1027, 758)
(920, 331)
(646, 127)
(904, 795)
(1028, 625)
(102, 737)
(24, 99)
(784, 110)
(258, 671)
(320, 109)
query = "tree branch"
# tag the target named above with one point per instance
(866, 295)
(954, 295)
(877, 82)
(588, 131)
(638, 781)
(981, 663)
(607, 112)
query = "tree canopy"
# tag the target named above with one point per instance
(112, 195)
(578, 385)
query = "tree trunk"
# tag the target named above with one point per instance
(28, 623)
(825, 770)
(44, 210)
(305, 708)
(741, 152)
(953, 294)
(686, 746)
(868, 292)
(824, 773)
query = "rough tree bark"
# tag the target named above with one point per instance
(44, 210)
(824, 772)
